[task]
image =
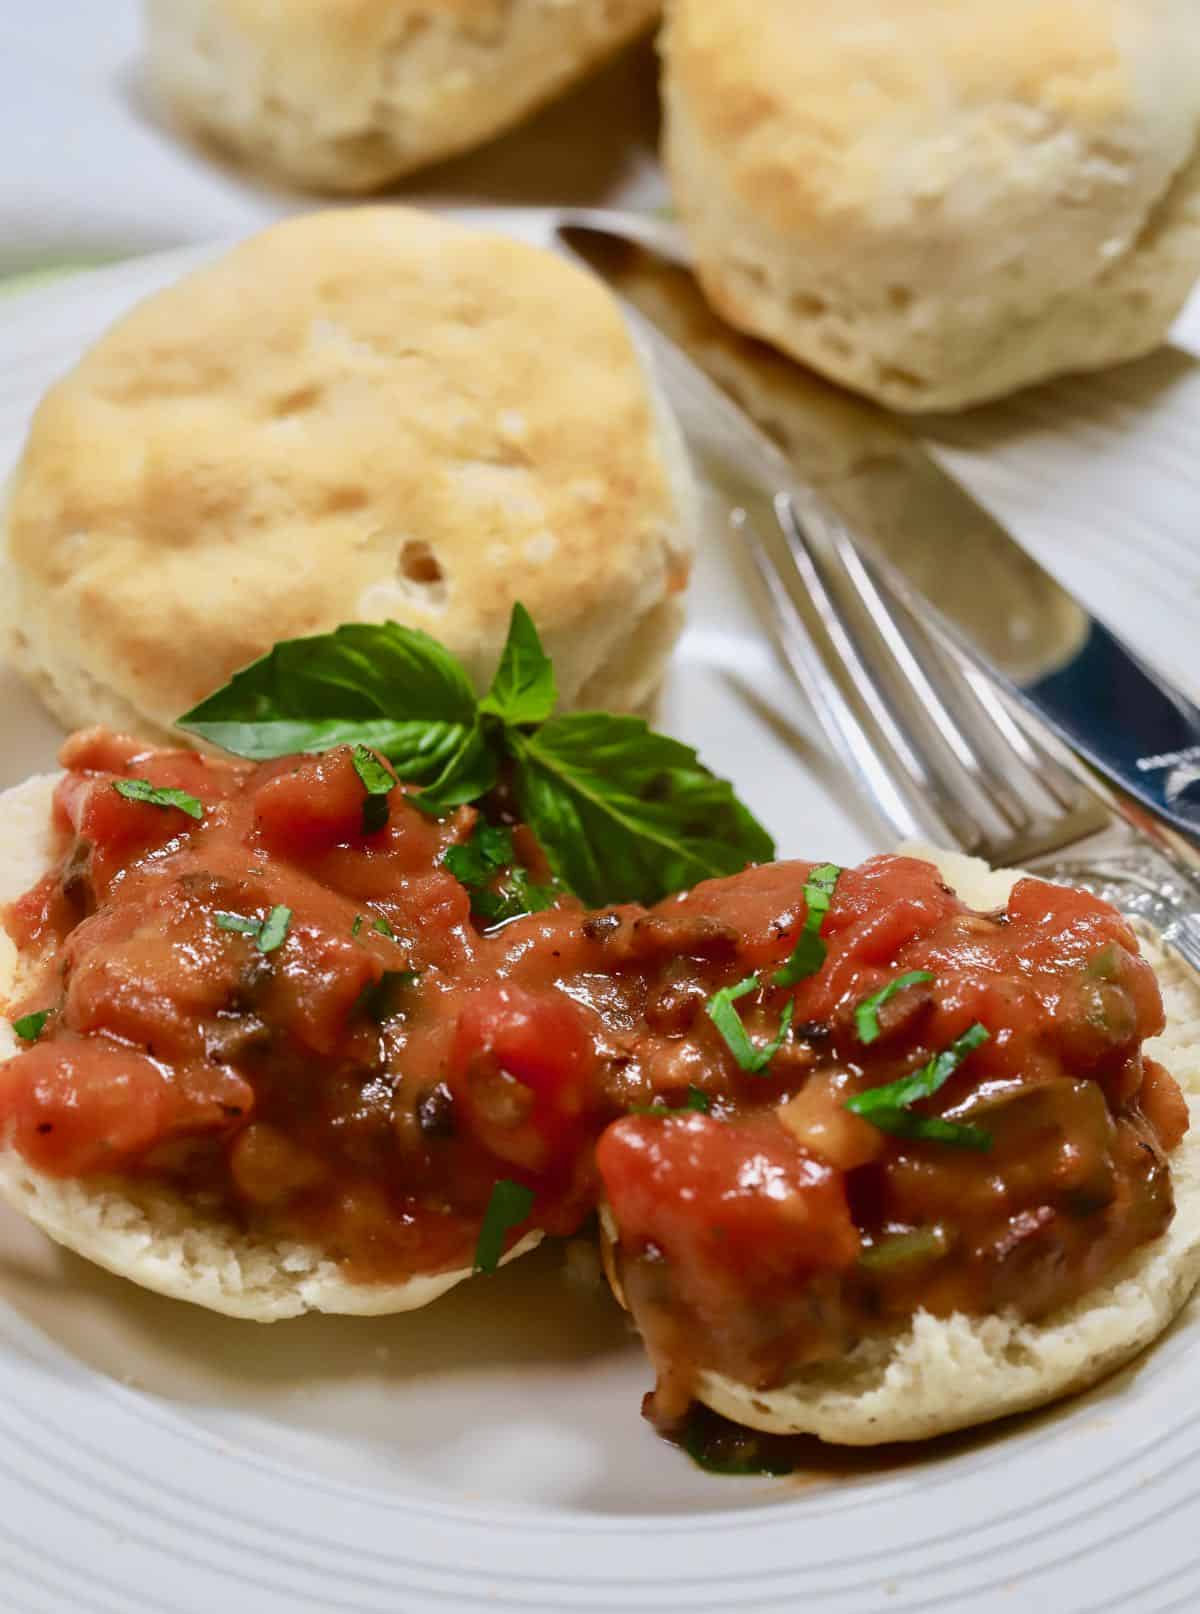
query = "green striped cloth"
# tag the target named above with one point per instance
(29, 278)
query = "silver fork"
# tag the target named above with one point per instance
(929, 736)
(942, 752)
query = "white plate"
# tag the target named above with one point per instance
(488, 1453)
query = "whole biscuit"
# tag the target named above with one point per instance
(938, 201)
(346, 95)
(354, 416)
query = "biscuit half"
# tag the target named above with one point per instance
(942, 1374)
(148, 1234)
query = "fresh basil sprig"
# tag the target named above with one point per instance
(622, 813)
(889, 1107)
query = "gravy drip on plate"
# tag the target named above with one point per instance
(366, 1080)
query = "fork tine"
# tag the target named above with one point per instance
(927, 679)
(1064, 789)
(945, 733)
(798, 633)
(926, 764)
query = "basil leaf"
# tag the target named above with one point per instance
(378, 783)
(510, 1203)
(523, 690)
(357, 925)
(30, 1026)
(888, 1107)
(274, 929)
(866, 1014)
(384, 929)
(720, 1010)
(627, 815)
(156, 796)
(810, 951)
(391, 688)
(470, 772)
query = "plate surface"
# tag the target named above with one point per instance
(488, 1453)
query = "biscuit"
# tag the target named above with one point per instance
(347, 95)
(935, 204)
(939, 1374)
(354, 416)
(147, 1233)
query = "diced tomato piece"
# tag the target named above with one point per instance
(78, 1108)
(523, 1072)
(315, 804)
(1162, 1103)
(739, 1203)
(99, 750)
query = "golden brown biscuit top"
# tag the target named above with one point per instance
(823, 105)
(355, 415)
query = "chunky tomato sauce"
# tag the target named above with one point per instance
(368, 1080)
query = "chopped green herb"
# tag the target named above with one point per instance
(720, 1010)
(384, 929)
(930, 1129)
(378, 782)
(916, 1248)
(30, 1026)
(477, 864)
(240, 922)
(517, 895)
(357, 925)
(697, 1100)
(889, 1107)
(721, 1447)
(381, 1000)
(268, 933)
(866, 1015)
(810, 951)
(509, 1205)
(489, 850)
(274, 929)
(157, 796)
